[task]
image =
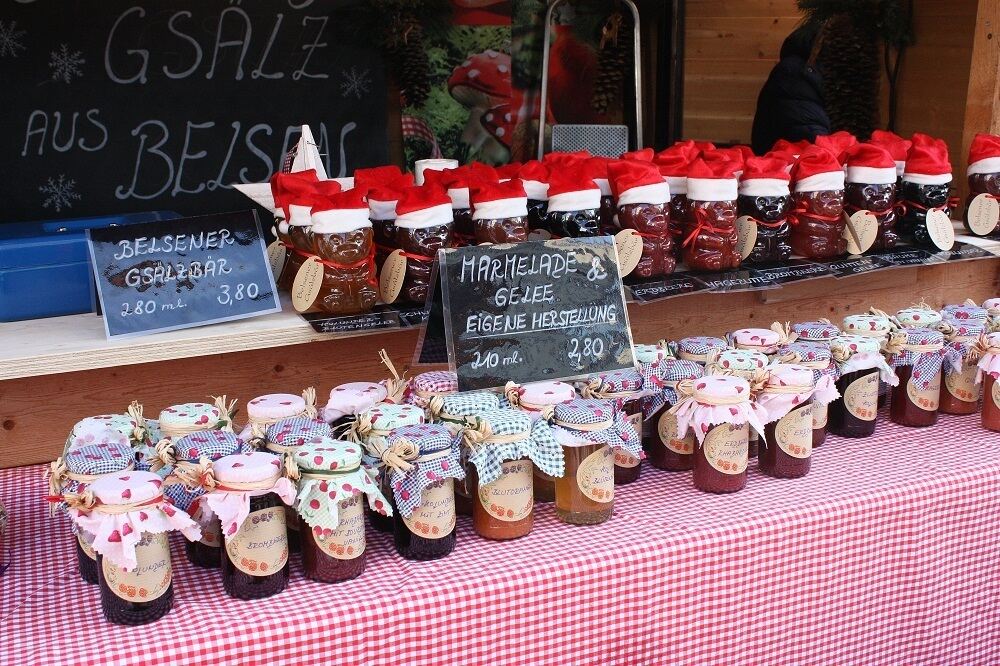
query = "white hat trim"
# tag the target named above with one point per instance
(828, 180)
(500, 208)
(381, 210)
(346, 183)
(678, 184)
(654, 194)
(985, 165)
(536, 189)
(712, 189)
(299, 216)
(459, 197)
(340, 221)
(578, 200)
(927, 178)
(604, 185)
(426, 217)
(764, 187)
(871, 175)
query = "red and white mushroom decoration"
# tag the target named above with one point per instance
(478, 84)
(498, 122)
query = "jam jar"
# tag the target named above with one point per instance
(534, 177)
(720, 411)
(959, 390)
(710, 238)
(536, 400)
(589, 431)
(667, 448)
(643, 200)
(860, 364)
(211, 445)
(878, 326)
(818, 205)
(503, 447)
(350, 399)
(765, 198)
(871, 186)
(500, 212)
(624, 389)
(984, 181)
(988, 350)
(423, 463)
(287, 189)
(815, 356)
(332, 487)
(574, 206)
(426, 385)
(746, 363)
(255, 561)
(423, 226)
(94, 454)
(134, 571)
(786, 449)
(701, 349)
(266, 410)
(597, 169)
(917, 354)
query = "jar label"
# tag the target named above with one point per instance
(928, 398)
(860, 231)
(87, 546)
(940, 229)
(983, 214)
(820, 415)
(629, 246)
(307, 284)
(348, 540)
(260, 546)
(995, 394)
(211, 534)
(962, 385)
(625, 459)
(276, 255)
(435, 517)
(596, 475)
(151, 576)
(861, 397)
(390, 280)
(666, 428)
(636, 421)
(510, 497)
(746, 235)
(727, 448)
(794, 432)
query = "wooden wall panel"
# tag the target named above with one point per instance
(982, 110)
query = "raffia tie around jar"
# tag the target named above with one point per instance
(395, 384)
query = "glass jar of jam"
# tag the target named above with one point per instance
(700, 349)
(667, 448)
(719, 410)
(350, 399)
(643, 200)
(500, 212)
(987, 349)
(426, 385)
(860, 365)
(536, 399)
(331, 491)
(786, 449)
(818, 205)
(764, 197)
(266, 410)
(871, 186)
(423, 226)
(876, 325)
(574, 206)
(984, 180)
(625, 390)
(289, 189)
(918, 355)
(534, 177)
(133, 565)
(589, 431)
(815, 356)
(745, 363)
(710, 238)
(455, 411)
(423, 463)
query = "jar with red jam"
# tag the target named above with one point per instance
(720, 411)
(815, 356)
(131, 519)
(702, 349)
(534, 177)
(423, 462)
(499, 212)
(871, 186)
(786, 448)
(860, 365)
(918, 354)
(503, 447)
(983, 176)
(266, 410)
(748, 364)
(643, 200)
(765, 198)
(589, 432)
(423, 226)
(987, 348)
(666, 447)
(350, 399)
(625, 390)
(924, 187)
(426, 385)
(574, 205)
(877, 325)
(959, 390)
(818, 205)
(710, 238)
(536, 400)
(332, 488)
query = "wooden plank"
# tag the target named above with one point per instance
(982, 99)
(754, 37)
(745, 8)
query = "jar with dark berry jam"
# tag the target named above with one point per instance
(625, 390)
(786, 449)
(133, 565)
(350, 399)
(745, 363)
(665, 446)
(719, 409)
(535, 400)
(988, 350)
(874, 324)
(959, 390)
(815, 356)
(918, 355)
(332, 489)
(861, 366)
(422, 463)
(981, 212)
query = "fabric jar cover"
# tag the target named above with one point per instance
(700, 348)
(962, 336)
(619, 386)
(188, 417)
(329, 472)
(857, 352)
(964, 313)
(81, 466)
(592, 421)
(535, 397)
(417, 456)
(426, 385)
(791, 385)
(146, 452)
(106, 428)
(668, 373)
(741, 362)
(766, 340)
(506, 434)
(456, 410)
(353, 398)
(918, 317)
(716, 400)
(208, 444)
(988, 350)
(924, 350)
(992, 304)
(286, 435)
(821, 330)
(868, 325)
(266, 410)
(374, 426)
(233, 480)
(650, 353)
(117, 509)
(813, 355)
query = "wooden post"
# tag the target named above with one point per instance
(982, 101)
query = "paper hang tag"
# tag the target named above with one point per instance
(746, 235)
(539, 235)
(307, 283)
(983, 215)
(860, 231)
(390, 281)
(276, 255)
(629, 245)
(941, 231)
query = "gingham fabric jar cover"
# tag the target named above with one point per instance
(231, 503)
(821, 330)
(924, 350)
(428, 384)
(669, 372)
(455, 410)
(700, 348)
(287, 435)
(619, 386)
(353, 398)
(329, 472)
(650, 353)
(506, 434)
(209, 444)
(853, 353)
(434, 454)
(962, 336)
(788, 386)
(964, 313)
(867, 325)
(375, 425)
(79, 467)
(813, 355)
(918, 317)
(617, 432)
(988, 350)
(715, 400)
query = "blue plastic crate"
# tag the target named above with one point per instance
(45, 266)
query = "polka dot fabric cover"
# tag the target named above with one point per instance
(918, 318)
(388, 417)
(408, 488)
(339, 463)
(538, 444)
(778, 405)
(743, 362)
(210, 444)
(105, 428)
(588, 411)
(353, 398)
(815, 331)
(813, 354)
(758, 339)
(698, 413)
(232, 507)
(861, 353)
(867, 325)
(288, 434)
(697, 347)
(193, 414)
(649, 353)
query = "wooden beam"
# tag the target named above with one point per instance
(982, 101)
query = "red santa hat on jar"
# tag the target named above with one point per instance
(534, 177)
(341, 212)
(508, 171)
(927, 162)
(642, 155)
(794, 148)
(493, 201)
(382, 196)
(895, 144)
(301, 209)
(572, 189)
(367, 178)
(984, 154)
(712, 181)
(638, 182)
(423, 206)
(287, 188)
(837, 143)
(817, 169)
(596, 168)
(673, 164)
(870, 164)
(732, 154)
(566, 158)
(764, 177)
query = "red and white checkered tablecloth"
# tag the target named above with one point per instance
(887, 553)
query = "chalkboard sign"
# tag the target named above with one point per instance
(115, 106)
(161, 276)
(534, 311)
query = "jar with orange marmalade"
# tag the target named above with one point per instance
(590, 431)
(988, 350)
(667, 448)
(624, 388)
(918, 355)
(815, 356)
(536, 399)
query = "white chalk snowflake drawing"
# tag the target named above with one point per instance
(65, 64)
(355, 82)
(11, 39)
(59, 193)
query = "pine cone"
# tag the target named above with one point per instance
(849, 62)
(404, 41)
(613, 58)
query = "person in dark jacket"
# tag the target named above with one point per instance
(790, 105)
